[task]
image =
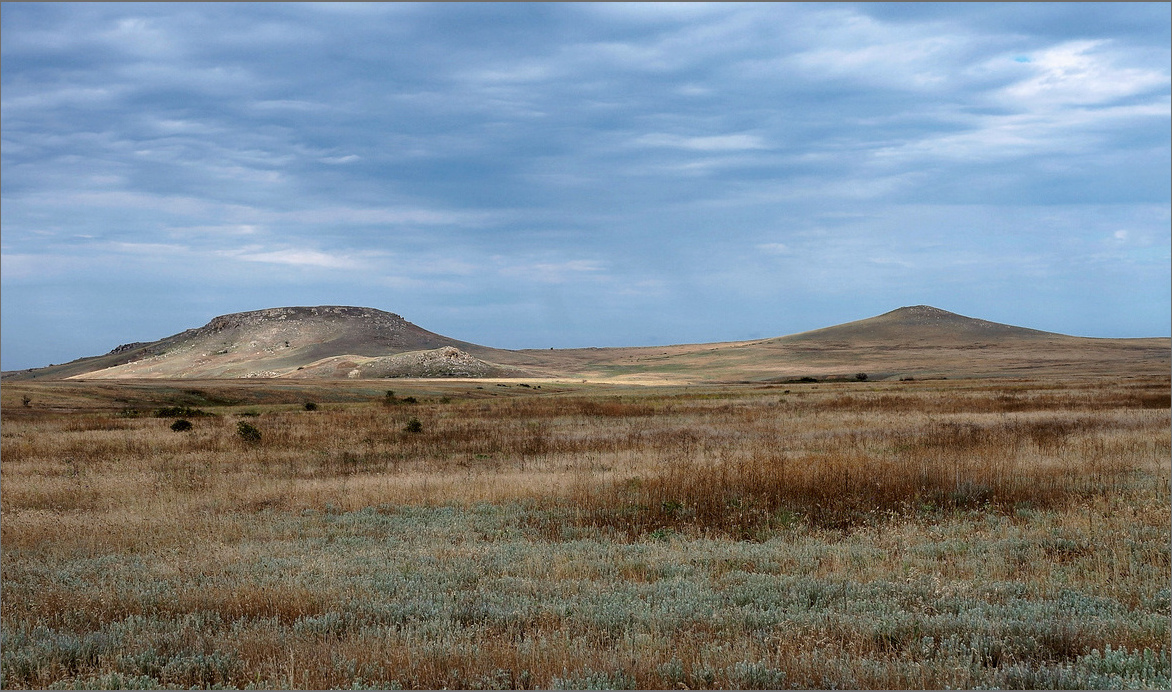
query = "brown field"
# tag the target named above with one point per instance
(925, 534)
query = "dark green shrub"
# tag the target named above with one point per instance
(181, 425)
(861, 377)
(410, 400)
(180, 412)
(310, 406)
(413, 426)
(247, 432)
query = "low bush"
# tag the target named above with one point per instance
(181, 425)
(247, 432)
(181, 412)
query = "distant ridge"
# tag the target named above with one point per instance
(343, 342)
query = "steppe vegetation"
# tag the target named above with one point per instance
(921, 534)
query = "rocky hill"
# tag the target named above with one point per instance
(281, 342)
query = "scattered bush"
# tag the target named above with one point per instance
(25, 401)
(310, 406)
(247, 432)
(181, 425)
(413, 426)
(861, 377)
(391, 400)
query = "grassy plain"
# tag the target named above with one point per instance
(1008, 533)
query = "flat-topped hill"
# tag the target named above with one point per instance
(276, 342)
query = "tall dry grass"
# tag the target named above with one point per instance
(737, 460)
(862, 476)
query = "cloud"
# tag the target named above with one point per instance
(70, 96)
(878, 54)
(1071, 98)
(733, 142)
(774, 248)
(550, 272)
(1081, 73)
(20, 266)
(217, 230)
(993, 137)
(385, 216)
(298, 257)
(145, 248)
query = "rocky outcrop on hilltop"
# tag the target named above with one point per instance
(361, 331)
(336, 313)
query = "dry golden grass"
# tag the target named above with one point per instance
(889, 535)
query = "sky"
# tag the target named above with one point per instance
(565, 175)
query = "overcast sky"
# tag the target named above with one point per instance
(581, 175)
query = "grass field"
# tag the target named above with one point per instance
(982, 533)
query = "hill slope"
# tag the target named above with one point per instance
(919, 324)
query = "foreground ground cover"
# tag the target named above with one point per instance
(855, 535)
